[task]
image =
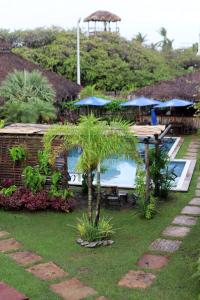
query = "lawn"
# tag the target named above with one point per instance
(50, 235)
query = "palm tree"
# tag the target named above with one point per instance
(99, 141)
(165, 43)
(140, 38)
(28, 97)
(59, 139)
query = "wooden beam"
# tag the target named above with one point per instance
(147, 167)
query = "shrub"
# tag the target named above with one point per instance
(147, 208)
(17, 153)
(9, 190)
(33, 180)
(43, 159)
(23, 198)
(89, 232)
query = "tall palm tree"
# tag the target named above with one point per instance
(165, 44)
(28, 97)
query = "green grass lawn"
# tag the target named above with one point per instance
(49, 235)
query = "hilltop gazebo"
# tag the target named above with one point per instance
(101, 22)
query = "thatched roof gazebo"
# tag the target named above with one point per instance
(102, 17)
(184, 87)
(9, 62)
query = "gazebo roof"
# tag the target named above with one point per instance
(10, 62)
(184, 87)
(102, 16)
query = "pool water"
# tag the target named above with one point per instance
(120, 172)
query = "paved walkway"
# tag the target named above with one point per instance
(171, 238)
(67, 288)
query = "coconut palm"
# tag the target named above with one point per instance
(28, 97)
(165, 43)
(140, 38)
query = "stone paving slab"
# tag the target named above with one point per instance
(72, 289)
(25, 257)
(165, 245)
(47, 271)
(197, 193)
(102, 298)
(151, 261)
(191, 210)
(137, 279)
(184, 220)
(9, 244)
(176, 231)
(4, 234)
(198, 185)
(9, 293)
(194, 201)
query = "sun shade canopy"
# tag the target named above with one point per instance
(92, 101)
(174, 103)
(141, 101)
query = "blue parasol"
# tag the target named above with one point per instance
(92, 101)
(141, 101)
(175, 103)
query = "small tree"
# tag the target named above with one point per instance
(28, 98)
(99, 141)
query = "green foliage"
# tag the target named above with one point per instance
(33, 180)
(163, 177)
(43, 159)
(17, 153)
(55, 191)
(28, 98)
(9, 190)
(2, 123)
(108, 61)
(89, 232)
(146, 207)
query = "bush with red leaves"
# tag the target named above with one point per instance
(5, 183)
(23, 198)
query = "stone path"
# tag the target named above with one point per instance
(173, 236)
(71, 289)
(192, 150)
(9, 293)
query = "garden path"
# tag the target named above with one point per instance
(67, 289)
(171, 239)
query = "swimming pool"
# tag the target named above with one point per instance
(121, 172)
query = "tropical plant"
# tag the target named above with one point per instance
(147, 207)
(43, 160)
(98, 141)
(2, 123)
(28, 98)
(64, 134)
(88, 232)
(166, 43)
(163, 177)
(8, 191)
(33, 180)
(17, 153)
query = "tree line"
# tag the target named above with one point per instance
(108, 60)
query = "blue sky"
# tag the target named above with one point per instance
(180, 17)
